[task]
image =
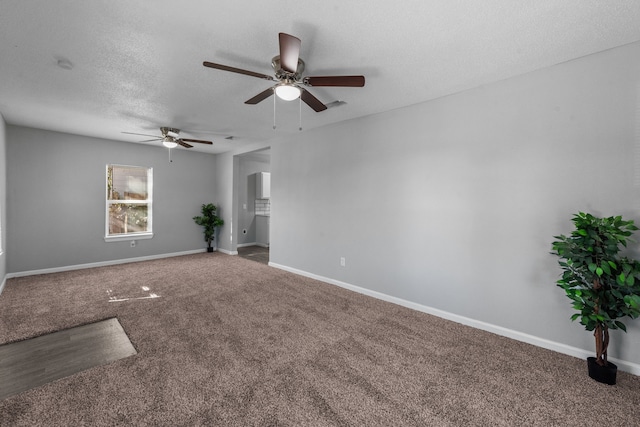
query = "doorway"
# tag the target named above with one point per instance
(253, 205)
(255, 253)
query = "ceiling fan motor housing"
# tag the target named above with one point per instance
(282, 74)
(172, 132)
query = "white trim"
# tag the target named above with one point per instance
(623, 365)
(243, 245)
(126, 237)
(4, 282)
(101, 264)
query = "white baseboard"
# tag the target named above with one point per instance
(244, 245)
(4, 282)
(623, 365)
(101, 264)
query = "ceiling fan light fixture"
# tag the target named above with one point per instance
(169, 142)
(287, 92)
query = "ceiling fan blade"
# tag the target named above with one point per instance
(184, 144)
(236, 70)
(289, 52)
(142, 134)
(199, 141)
(344, 81)
(260, 97)
(312, 101)
(149, 140)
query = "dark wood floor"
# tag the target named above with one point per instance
(37, 361)
(255, 253)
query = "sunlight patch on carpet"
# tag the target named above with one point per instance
(143, 293)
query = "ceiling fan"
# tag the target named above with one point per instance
(170, 138)
(288, 68)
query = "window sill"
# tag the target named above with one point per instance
(128, 237)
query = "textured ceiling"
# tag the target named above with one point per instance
(136, 65)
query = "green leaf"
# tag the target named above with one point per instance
(575, 316)
(632, 301)
(592, 267)
(622, 278)
(621, 325)
(599, 272)
(630, 281)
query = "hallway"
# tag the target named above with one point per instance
(255, 253)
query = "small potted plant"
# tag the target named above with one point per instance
(210, 221)
(603, 285)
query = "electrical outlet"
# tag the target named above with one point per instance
(133, 244)
(343, 261)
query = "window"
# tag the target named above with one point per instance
(129, 203)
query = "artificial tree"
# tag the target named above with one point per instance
(209, 220)
(603, 285)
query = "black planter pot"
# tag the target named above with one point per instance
(603, 374)
(209, 249)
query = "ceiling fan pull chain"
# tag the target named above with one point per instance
(299, 113)
(170, 161)
(274, 113)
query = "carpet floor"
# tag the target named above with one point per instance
(224, 341)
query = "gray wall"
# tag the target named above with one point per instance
(248, 166)
(227, 201)
(453, 204)
(3, 201)
(56, 206)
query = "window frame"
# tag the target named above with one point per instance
(148, 201)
